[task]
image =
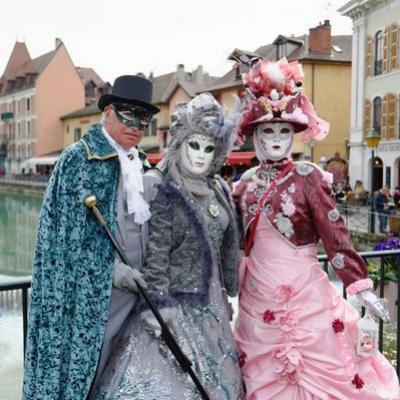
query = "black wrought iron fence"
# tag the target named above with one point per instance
(388, 261)
(382, 258)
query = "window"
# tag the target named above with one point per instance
(18, 130)
(28, 129)
(89, 91)
(282, 50)
(398, 117)
(77, 134)
(378, 63)
(377, 114)
(28, 104)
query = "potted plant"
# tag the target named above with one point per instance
(391, 274)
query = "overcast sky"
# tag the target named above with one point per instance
(118, 37)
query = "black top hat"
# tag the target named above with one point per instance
(131, 89)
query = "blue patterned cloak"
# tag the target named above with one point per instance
(72, 277)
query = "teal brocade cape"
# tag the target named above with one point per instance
(72, 277)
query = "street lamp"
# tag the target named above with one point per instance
(373, 138)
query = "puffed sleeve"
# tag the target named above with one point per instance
(332, 230)
(156, 266)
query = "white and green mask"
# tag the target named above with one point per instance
(197, 154)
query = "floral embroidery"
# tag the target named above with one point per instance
(253, 209)
(284, 293)
(333, 215)
(288, 207)
(287, 322)
(288, 364)
(268, 209)
(338, 261)
(268, 316)
(304, 169)
(259, 192)
(357, 381)
(284, 225)
(338, 325)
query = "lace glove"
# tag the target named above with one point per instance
(168, 314)
(374, 304)
(125, 278)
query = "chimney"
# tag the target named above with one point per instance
(320, 39)
(180, 73)
(58, 42)
(198, 75)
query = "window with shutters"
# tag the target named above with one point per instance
(377, 114)
(378, 61)
(384, 118)
(386, 52)
(394, 47)
(368, 61)
(398, 118)
(391, 116)
(367, 116)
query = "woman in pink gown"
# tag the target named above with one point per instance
(295, 333)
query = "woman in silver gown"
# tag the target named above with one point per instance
(191, 264)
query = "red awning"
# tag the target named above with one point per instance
(241, 157)
(154, 158)
(235, 158)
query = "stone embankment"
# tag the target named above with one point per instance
(25, 185)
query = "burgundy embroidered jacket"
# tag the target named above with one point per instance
(302, 208)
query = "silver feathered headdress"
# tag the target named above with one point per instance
(203, 115)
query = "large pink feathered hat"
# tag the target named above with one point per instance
(274, 94)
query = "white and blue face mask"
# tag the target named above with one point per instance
(197, 154)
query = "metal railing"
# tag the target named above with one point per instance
(384, 257)
(358, 218)
(392, 256)
(23, 285)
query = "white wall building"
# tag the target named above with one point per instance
(375, 102)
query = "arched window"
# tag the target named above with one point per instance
(377, 114)
(378, 53)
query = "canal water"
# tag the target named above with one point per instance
(18, 223)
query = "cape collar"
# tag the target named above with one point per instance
(96, 145)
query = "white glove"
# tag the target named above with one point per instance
(168, 314)
(125, 278)
(374, 304)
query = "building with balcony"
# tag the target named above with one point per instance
(34, 93)
(375, 91)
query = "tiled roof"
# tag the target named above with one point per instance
(89, 74)
(164, 86)
(41, 62)
(91, 109)
(341, 52)
(160, 85)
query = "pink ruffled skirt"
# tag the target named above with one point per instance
(289, 349)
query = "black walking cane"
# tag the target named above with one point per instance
(166, 334)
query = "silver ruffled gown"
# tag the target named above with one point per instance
(143, 368)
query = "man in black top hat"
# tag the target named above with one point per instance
(81, 290)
